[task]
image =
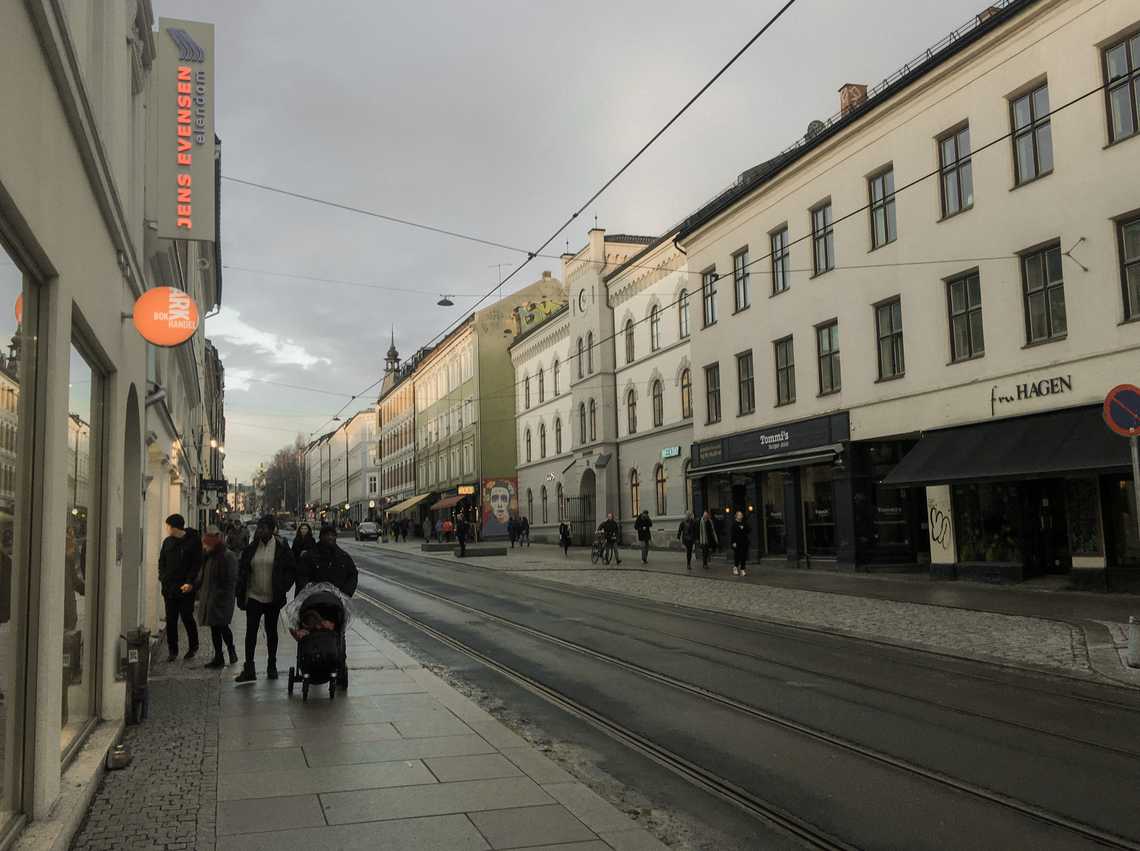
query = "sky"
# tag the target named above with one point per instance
(495, 119)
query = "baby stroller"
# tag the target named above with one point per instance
(317, 617)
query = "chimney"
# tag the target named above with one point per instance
(987, 13)
(851, 96)
(546, 274)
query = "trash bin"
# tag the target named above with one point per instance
(138, 673)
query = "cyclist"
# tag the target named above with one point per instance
(610, 528)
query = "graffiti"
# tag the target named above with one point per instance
(531, 313)
(939, 527)
(500, 501)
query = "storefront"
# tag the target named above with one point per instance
(1029, 496)
(812, 495)
(461, 502)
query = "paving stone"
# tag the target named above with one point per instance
(594, 811)
(270, 759)
(336, 778)
(433, 724)
(385, 751)
(250, 722)
(418, 834)
(312, 736)
(498, 735)
(592, 845)
(536, 766)
(449, 769)
(277, 814)
(463, 797)
(530, 826)
(633, 840)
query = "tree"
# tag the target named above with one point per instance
(283, 479)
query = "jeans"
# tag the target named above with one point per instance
(739, 556)
(255, 610)
(689, 553)
(644, 552)
(179, 605)
(705, 550)
(222, 634)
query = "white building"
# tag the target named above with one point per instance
(943, 282)
(396, 412)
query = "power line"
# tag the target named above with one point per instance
(298, 387)
(325, 280)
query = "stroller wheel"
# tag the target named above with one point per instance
(304, 690)
(332, 688)
(291, 681)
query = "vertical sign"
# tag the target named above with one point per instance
(185, 144)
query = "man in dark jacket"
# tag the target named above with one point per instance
(687, 532)
(265, 573)
(179, 563)
(461, 533)
(707, 535)
(611, 530)
(327, 562)
(644, 527)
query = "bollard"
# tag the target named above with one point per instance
(1133, 642)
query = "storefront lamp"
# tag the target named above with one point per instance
(75, 512)
(213, 443)
(347, 506)
(371, 503)
(750, 508)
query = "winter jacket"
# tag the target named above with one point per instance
(564, 533)
(644, 526)
(687, 532)
(237, 539)
(300, 545)
(739, 537)
(610, 527)
(707, 532)
(217, 592)
(333, 565)
(179, 562)
(284, 569)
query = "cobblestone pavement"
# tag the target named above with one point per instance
(959, 632)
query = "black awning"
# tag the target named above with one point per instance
(1037, 446)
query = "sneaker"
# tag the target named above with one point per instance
(735, 570)
(247, 675)
(216, 662)
(743, 572)
(191, 653)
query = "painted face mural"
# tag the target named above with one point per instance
(500, 500)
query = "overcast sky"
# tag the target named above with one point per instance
(498, 119)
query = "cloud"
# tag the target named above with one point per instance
(238, 379)
(229, 326)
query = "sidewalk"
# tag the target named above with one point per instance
(403, 761)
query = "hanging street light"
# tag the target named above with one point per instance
(445, 301)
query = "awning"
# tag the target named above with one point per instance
(447, 502)
(819, 455)
(408, 503)
(1037, 446)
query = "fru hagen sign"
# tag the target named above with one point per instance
(186, 188)
(165, 316)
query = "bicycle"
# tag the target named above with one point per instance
(598, 549)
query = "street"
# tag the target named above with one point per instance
(813, 738)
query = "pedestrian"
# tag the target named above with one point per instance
(524, 531)
(303, 540)
(448, 528)
(512, 530)
(707, 537)
(216, 594)
(405, 527)
(327, 562)
(611, 530)
(237, 538)
(426, 526)
(644, 527)
(687, 532)
(461, 535)
(265, 573)
(739, 545)
(564, 537)
(179, 562)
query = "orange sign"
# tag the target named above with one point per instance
(166, 316)
(20, 309)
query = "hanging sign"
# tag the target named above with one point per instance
(20, 309)
(166, 316)
(1122, 410)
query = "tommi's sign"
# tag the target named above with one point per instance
(1027, 390)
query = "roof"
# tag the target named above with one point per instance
(627, 237)
(754, 178)
(672, 232)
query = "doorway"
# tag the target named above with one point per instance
(128, 544)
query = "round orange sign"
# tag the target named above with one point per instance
(20, 309)
(166, 316)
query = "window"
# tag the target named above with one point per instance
(957, 172)
(686, 394)
(781, 259)
(634, 493)
(683, 314)
(659, 483)
(882, 188)
(590, 353)
(888, 326)
(1122, 76)
(580, 362)
(561, 501)
(542, 440)
(1044, 295)
(528, 445)
(964, 297)
(529, 504)
(541, 386)
(373, 485)
(542, 497)
(629, 341)
(557, 436)
(1130, 266)
(746, 385)
(1032, 135)
(631, 411)
(593, 420)
(557, 366)
(658, 397)
(688, 485)
(827, 340)
(582, 421)
(740, 278)
(654, 328)
(526, 394)
(708, 297)
(785, 372)
(822, 239)
(712, 393)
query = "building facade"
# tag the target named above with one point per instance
(940, 287)
(395, 411)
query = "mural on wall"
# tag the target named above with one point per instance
(535, 313)
(500, 501)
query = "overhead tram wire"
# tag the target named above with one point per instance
(324, 280)
(530, 255)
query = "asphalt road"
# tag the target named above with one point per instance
(828, 741)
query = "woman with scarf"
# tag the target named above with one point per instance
(303, 540)
(218, 583)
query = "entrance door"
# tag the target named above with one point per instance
(1049, 551)
(772, 505)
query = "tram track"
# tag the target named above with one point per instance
(744, 799)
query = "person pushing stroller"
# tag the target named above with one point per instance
(327, 562)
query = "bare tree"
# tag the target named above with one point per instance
(283, 478)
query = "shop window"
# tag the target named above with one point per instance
(988, 523)
(1082, 511)
(688, 485)
(1122, 78)
(890, 506)
(1119, 502)
(1044, 291)
(80, 547)
(819, 510)
(772, 500)
(1130, 267)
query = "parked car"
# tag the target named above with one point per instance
(367, 531)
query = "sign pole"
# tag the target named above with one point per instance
(1135, 441)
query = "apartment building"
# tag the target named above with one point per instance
(395, 410)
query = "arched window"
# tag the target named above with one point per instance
(655, 328)
(558, 496)
(528, 445)
(529, 504)
(557, 436)
(683, 313)
(542, 496)
(580, 365)
(634, 493)
(593, 420)
(526, 392)
(542, 440)
(688, 486)
(590, 353)
(631, 411)
(629, 341)
(541, 386)
(659, 482)
(658, 404)
(686, 394)
(556, 367)
(582, 422)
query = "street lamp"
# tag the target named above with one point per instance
(445, 301)
(213, 443)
